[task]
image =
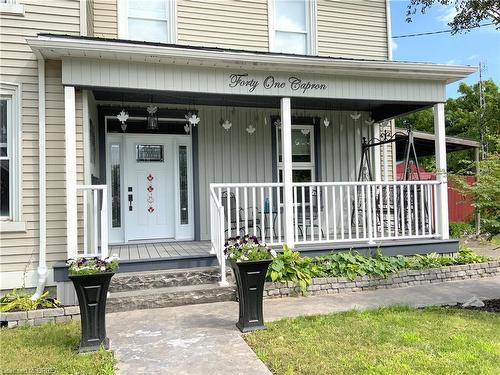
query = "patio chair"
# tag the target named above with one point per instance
(238, 221)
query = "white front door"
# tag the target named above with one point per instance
(149, 189)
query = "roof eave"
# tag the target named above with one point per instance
(61, 47)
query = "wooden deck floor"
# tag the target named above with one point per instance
(154, 250)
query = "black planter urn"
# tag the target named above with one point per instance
(250, 278)
(92, 293)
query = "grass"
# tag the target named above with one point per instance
(51, 348)
(397, 340)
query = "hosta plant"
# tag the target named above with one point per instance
(15, 301)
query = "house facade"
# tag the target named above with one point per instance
(156, 130)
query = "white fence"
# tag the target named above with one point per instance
(95, 220)
(325, 212)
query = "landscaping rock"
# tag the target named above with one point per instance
(473, 302)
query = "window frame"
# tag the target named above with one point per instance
(12, 7)
(310, 166)
(311, 26)
(171, 20)
(12, 93)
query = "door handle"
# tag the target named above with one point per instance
(130, 199)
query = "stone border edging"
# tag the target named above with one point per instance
(330, 285)
(40, 316)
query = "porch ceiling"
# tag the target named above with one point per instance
(380, 110)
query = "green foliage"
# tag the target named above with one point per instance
(486, 191)
(469, 13)
(352, 265)
(15, 301)
(290, 266)
(459, 229)
(463, 119)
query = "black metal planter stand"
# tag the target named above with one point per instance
(92, 292)
(250, 278)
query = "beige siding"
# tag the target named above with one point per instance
(353, 29)
(240, 24)
(105, 18)
(18, 64)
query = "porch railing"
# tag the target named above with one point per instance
(325, 212)
(95, 220)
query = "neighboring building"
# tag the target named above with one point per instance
(282, 91)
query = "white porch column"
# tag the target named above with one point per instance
(286, 147)
(70, 153)
(442, 192)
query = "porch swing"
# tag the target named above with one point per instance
(405, 197)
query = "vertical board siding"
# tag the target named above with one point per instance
(354, 29)
(239, 24)
(18, 64)
(105, 18)
(239, 157)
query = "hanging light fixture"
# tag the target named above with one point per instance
(152, 117)
(123, 117)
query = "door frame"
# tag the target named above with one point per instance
(182, 232)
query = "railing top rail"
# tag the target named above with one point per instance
(366, 183)
(91, 187)
(246, 184)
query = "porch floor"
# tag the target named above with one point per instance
(163, 249)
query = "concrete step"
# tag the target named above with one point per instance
(164, 279)
(171, 296)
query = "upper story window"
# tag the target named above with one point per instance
(292, 25)
(11, 7)
(151, 21)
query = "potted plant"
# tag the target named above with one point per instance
(91, 277)
(249, 260)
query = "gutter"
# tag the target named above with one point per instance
(42, 258)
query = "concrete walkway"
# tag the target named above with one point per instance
(202, 339)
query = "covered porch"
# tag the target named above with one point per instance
(289, 170)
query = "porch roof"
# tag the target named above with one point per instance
(53, 46)
(216, 76)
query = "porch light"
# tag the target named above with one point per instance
(152, 117)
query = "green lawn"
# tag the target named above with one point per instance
(396, 340)
(52, 348)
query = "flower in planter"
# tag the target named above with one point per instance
(92, 265)
(247, 248)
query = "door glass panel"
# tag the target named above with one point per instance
(183, 184)
(116, 219)
(149, 153)
(301, 146)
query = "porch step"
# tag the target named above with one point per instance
(168, 297)
(129, 281)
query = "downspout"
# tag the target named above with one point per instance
(42, 259)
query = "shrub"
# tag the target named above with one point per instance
(15, 301)
(459, 229)
(290, 266)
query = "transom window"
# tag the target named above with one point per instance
(303, 163)
(151, 21)
(290, 28)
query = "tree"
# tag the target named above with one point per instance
(463, 119)
(470, 13)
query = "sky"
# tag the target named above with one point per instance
(478, 45)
